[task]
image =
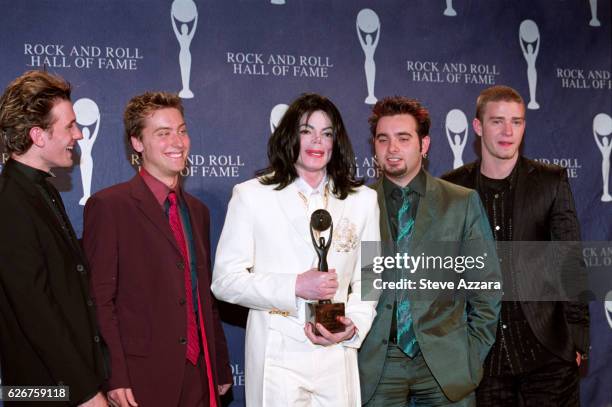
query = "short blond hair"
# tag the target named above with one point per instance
(498, 93)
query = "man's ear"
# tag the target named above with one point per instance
(137, 144)
(477, 126)
(37, 135)
(425, 145)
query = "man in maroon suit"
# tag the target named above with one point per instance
(148, 244)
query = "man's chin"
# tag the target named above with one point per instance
(395, 172)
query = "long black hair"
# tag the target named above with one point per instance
(284, 147)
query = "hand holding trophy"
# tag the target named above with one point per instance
(324, 312)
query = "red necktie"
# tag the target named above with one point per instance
(193, 347)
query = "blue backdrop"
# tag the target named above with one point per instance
(235, 60)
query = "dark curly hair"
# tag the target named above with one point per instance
(284, 147)
(391, 106)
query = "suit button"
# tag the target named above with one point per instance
(180, 265)
(96, 338)
(182, 341)
(80, 268)
(389, 306)
(384, 341)
(182, 301)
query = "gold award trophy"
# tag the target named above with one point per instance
(324, 312)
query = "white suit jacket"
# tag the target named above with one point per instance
(266, 243)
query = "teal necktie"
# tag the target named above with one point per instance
(406, 339)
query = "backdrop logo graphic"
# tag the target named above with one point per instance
(602, 131)
(279, 65)
(608, 307)
(276, 114)
(87, 114)
(206, 166)
(367, 168)
(571, 164)
(185, 12)
(238, 374)
(450, 11)
(452, 72)
(277, 2)
(529, 38)
(368, 32)
(594, 21)
(457, 134)
(80, 56)
(583, 78)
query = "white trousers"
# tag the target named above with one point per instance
(302, 374)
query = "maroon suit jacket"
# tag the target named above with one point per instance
(139, 288)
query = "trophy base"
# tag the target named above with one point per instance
(594, 23)
(326, 315)
(449, 12)
(370, 100)
(186, 94)
(533, 105)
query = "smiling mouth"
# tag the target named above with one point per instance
(174, 155)
(315, 153)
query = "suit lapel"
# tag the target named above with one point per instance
(523, 185)
(148, 205)
(41, 205)
(385, 228)
(425, 213)
(335, 207)
(293, 209)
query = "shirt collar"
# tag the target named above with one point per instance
(499, 184)
(418, 185)
(307, 190)
(33, 174)
(158, 188)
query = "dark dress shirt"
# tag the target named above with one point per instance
(394, 200)
(516, 349)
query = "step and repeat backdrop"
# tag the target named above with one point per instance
(238, 63)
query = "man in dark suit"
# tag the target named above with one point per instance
(539, 344)
(148, 244)
(48, 334)
(425, 348)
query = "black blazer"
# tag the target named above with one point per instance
(543, 210)
(48, 333)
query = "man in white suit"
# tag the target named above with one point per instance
(265, 261)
